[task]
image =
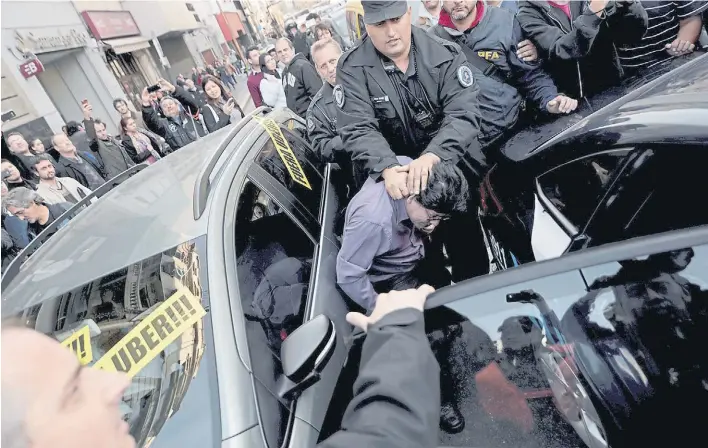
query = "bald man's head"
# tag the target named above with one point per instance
(49, 400)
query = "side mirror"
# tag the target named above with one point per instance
(304, 354)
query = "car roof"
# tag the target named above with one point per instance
(146, 214)
(680, 84)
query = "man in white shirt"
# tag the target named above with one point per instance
(55, 190)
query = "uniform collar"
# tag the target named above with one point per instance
(327, 95)
(430, 52)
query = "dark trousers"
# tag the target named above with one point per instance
(442, 325)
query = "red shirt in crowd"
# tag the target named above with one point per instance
(563, 7)
(254, 87)
(446, 21)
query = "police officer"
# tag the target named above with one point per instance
(322, 114)
(403, 92)
(489, 36)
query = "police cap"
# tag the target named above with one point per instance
(376, 12)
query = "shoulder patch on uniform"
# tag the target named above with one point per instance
(464, 75)
(338, 94)
(310, 124)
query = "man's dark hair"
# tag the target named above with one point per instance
(323, 27)
(99, 121)
(118, 101)
(72, 128)
(36, 159)
(250, 49)
(447, 191)
(312, 16)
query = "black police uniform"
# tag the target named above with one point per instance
(322, 124)
(383, 113)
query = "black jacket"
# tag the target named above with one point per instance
(492, 42)
(322, 125)
(114, 157)
(67, 168)
(141, 157)
(301, 83)
(396, 398)
(214, 118)
(178, 131)
(370, 117)
(581, 56)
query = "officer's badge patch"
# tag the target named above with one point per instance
(464, 75)
(338, 93)
(310, 124)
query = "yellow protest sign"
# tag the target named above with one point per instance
(153, 334)
(80, 343)
(286, 154)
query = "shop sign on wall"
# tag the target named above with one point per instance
(50, 39)
(31, 67)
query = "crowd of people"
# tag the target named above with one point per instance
(40, 183)
(411, 113)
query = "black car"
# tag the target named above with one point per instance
(630, 163)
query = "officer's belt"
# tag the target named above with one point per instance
(487, 68)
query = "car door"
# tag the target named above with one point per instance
(566, 196)
(600, 348)
(285, 252)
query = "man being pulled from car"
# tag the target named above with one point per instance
(384, 249)
(300, 79)
(489, 37)
(31, 207)
(578, 40)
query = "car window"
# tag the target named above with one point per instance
(291, 161)
(149, 320)
(274, 262)
(573, 360)
(575, 188)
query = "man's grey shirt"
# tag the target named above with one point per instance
(379, 242)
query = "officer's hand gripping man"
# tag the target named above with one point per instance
(402, 92)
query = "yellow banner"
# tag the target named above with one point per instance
(80, 343)
(153, 334)
(286, 154)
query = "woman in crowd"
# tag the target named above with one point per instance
(140, 146)
(221, 108)
(37, 146)
(271, 85)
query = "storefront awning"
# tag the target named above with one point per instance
(128, 44)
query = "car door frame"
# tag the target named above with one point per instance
(303, 423)
(575, 233)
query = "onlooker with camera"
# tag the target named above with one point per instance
(114, 157)
(196, 92)
(271, 85)
(27, 205)
(55, 189)
(178, 127)
(12, 176)
(140, 146)
(220, 108)
(76, 164)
